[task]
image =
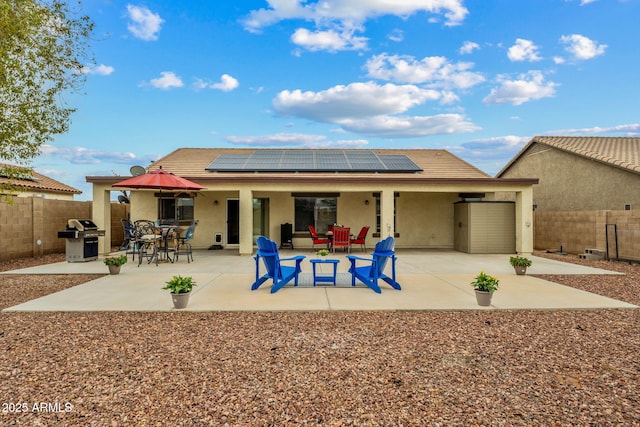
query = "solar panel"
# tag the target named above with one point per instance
(313, 161)
(397, 162)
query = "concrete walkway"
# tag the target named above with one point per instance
(431, 280)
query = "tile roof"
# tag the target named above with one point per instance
(622, 152)
(42, 183)
(191, 163)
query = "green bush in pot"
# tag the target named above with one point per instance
(180, 285)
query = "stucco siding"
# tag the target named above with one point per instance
(570, 182)
(425, 220)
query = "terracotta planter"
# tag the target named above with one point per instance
(520, 269)
(483, 298)
(180, 300)
(114, 269)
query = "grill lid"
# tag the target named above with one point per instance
(81, 224)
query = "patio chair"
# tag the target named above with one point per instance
(370, 274)
(341, 238)
(280, 274)
(316, 239)
(359, 240)
(129, 232)
(183, 243)
(147, 241)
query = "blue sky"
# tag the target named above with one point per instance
(478, 78)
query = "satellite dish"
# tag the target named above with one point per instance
(137, 170)
(123, 199)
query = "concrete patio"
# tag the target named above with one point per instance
(430, 279)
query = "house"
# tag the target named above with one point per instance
(38, 185)
(580, 173)
(410, 194)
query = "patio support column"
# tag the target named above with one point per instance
(246, 221)
(524, 221)
(386, 214)
(102, 216)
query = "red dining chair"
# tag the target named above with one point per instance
(316, 239)
(359, 240)
(341, 238)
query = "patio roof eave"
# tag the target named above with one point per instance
(343, 178)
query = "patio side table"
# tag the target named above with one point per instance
(324, 278)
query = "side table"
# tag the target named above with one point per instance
(324, 278)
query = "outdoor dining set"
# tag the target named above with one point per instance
(155, 242)
(338, 236)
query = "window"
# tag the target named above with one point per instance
(260, 218)
(175, 209)
(317, 211)
(378, 215)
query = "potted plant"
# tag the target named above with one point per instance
(485, 285)
(520, 264)
(180, 288)
(115, 262)
(322, 252)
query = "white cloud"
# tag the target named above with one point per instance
(227, 83)
(100, 70)
(410, 126)
(332, 40)
(167, 81)
(496, 145)
(351, 11)
(294, 140)
(448, 97)
(396, 35)
(523, 50)
(528, 87)
(468, 47)
(52, 172)
(490, 154)
(630, 130)
(356, 100)
(144, 24)
(82, 155)
(372, 110)
(581, 47)
(434, 70)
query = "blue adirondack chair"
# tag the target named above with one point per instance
(280, 274)
(371, 273)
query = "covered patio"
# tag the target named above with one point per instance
(430, 279)
(407, 194)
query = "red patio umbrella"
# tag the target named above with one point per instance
(159, 179)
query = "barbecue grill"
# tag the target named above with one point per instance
(82, 240)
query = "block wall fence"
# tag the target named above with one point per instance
(29, 225)
(576, 231)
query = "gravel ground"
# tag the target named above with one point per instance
(551, 368)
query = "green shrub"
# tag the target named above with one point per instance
(485, 282)
(518, 261)
(116, 260)
(180, 285)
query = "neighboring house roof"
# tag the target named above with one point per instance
(620, 152)
(39, 182)
(437, 166)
